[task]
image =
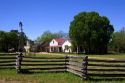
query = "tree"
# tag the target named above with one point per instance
(61, 34)
(13, 40)
(3, 41)
(46, 36)
(118, 41)
(9, 40)
(90, 31)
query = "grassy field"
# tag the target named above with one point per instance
(117, 56)
(10, 76)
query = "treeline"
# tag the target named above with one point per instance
(9, 41)
(117, 43)
(48, 35)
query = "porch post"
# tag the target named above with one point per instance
(58, 49)
(50, 49)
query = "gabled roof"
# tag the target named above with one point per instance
(60, 40)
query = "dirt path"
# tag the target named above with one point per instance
(50, 53)
(3, 81)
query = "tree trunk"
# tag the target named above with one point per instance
(77, 49)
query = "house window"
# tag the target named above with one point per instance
(53, 42)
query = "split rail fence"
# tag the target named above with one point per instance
(80, 65)
(7, 61)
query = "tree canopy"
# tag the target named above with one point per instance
(91, 31)
(47, 36)
(9, 40)
(118, 41)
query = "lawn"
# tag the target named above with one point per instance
(10, 76)
(117, 56)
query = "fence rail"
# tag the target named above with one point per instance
(7, 60)
(12, 54)
(120, 70)
(107, 65)
(104, 60)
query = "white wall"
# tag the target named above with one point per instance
(27, 48)
(63, 46)
(53, 44)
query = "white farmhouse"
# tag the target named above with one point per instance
(67, 46)
(60, 45)
(56, 45)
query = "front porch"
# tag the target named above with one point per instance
(55, 49)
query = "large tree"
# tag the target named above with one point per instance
(90, 31)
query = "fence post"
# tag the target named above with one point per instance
(66, 60)
(18, 62)
(84, 68)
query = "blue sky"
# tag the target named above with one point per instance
(55, 15)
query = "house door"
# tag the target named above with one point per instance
(60, 49)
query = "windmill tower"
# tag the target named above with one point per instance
(21, 40)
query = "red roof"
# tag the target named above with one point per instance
(60, 40)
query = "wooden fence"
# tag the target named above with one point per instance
(90, 67)
(31, 63)
(80, 65)
(106, 68)
(7, 60)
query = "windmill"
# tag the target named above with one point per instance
(21, 41)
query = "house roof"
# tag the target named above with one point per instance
(60, 40)
(45, 43)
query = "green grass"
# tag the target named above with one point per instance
(117, 56)
(9, 75)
